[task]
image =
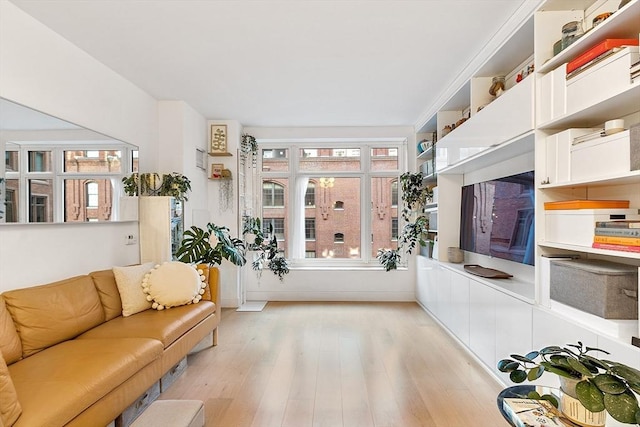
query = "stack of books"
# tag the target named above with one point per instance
(620, 235)
(534, 413)
(596, 54)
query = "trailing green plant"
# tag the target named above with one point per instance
(415, 195)
(211, 246)
(267, 252)
(601, 384)
(249, 147)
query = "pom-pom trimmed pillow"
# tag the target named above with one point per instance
(172, 284)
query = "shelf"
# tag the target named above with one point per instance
(614, 107)
(220, 154)
(618, 179)
(618, 25)
(507, 150)
(589, 250)
(428, 154)
(430, 207)
(430, 178)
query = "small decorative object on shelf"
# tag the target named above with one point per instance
(600, 18)
(571, 31)
(218, 141)
(497, 86)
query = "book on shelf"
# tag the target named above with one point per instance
(587, 204)
(602, 48)
(617, 232)
(620, 223)
(534, 413)
(612, 247)
(629, 241)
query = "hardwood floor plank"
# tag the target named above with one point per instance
(338, 365)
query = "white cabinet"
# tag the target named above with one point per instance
(460, 307)
(161, 228)
(482, 321)
(443, 296)
(514, 321)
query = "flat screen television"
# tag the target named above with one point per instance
(497, 218)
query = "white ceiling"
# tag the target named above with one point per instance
(284, 63)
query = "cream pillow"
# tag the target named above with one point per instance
(172, 284)
(129, 281)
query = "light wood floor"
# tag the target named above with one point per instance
(337, 365)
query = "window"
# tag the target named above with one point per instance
(275, 224)
(394, 193)
(67, 183)
(394, 228)
(272, 195)
(91, 191)
(316, 189)
(310, 195)
(310, 228)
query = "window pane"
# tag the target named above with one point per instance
(40, 161)
(384, 159)
(12, 192)
(384, 211)
(310, 195)
(272, 194)
(329, 222)
(275, 160)
(93, 161)
(11, 161)
(329, 159)
(134, 161)
(310, 228)
(40, 200)
(87, 200)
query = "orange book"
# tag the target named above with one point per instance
(615, 240)
(587, 204)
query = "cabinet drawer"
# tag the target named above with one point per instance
(601, 157)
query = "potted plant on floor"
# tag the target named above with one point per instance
(598, 384)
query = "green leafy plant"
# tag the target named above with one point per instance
(601, 384)
(175, 185)
(152, 184)
(267, 250)
(415, 195)
(210, 246)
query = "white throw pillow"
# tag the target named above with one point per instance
(172, 284)
(129, 282)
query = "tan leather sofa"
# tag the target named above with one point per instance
(70, 358)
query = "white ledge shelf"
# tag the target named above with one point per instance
(589, 250)
(632, 177)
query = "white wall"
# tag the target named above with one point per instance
(370, 284)
(42, 70)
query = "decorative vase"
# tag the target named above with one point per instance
(571, 407)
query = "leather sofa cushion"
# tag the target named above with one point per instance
(105, 282)
(165, 326)
(58, 383)
(48, 314)
(10, 408)
(10, 345)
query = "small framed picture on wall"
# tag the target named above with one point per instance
(216, 170)
(218, 140)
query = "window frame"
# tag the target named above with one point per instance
(57, 175)
(365, 174)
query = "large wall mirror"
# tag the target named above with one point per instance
(55, 171)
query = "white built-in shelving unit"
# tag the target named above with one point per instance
(509, 135)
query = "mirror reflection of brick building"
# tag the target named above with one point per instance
(90, 179)
(332, 201)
